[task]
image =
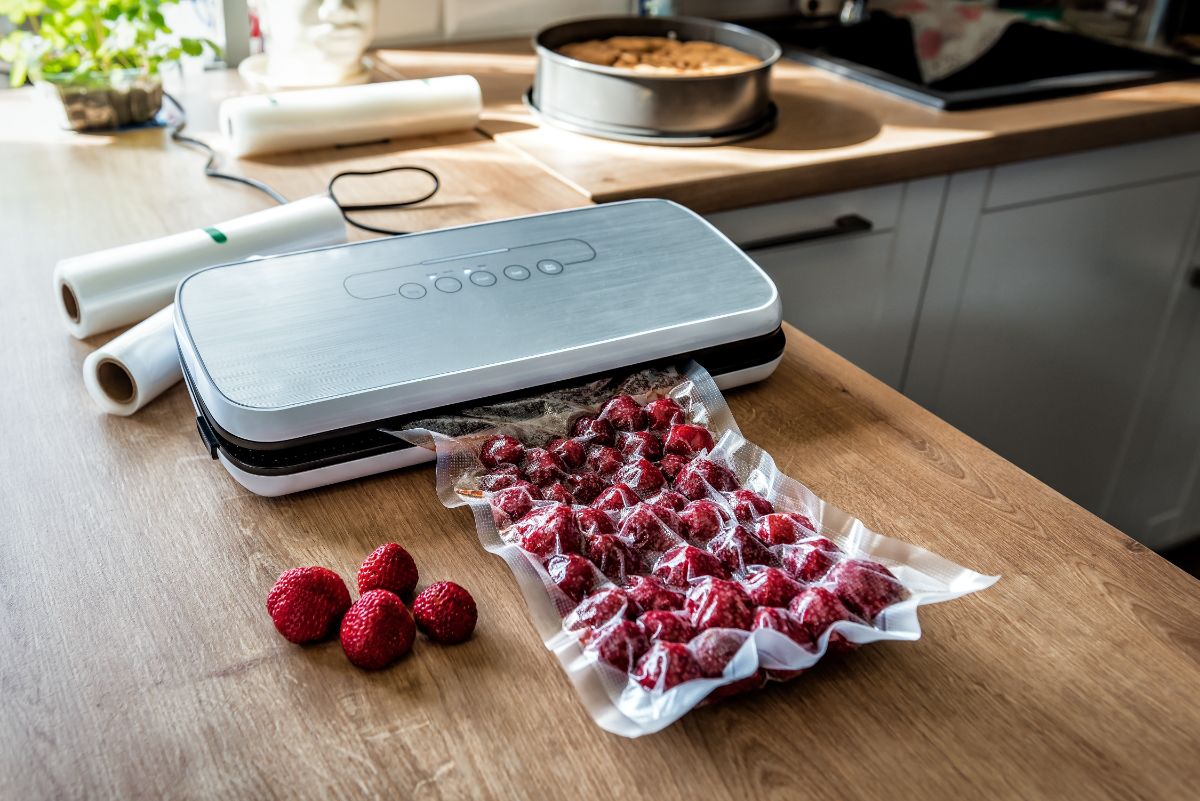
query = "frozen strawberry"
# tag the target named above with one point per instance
(686, 439)
(738, 549)
(558, 492)
(652, 596)
(642, 477)
(610, 555)
(715, 603)
(389, 567)
(666, 665)
(377, 630)
(569, 452)
(502, 477)
(446, 612)
(805, 522)
(777, 674)
(715, 648)
(669, 500)
(814, 611)
(683, 564)
(599, 608)
(663, 413)
(605, 460)
(541, 467)
(615, 498)
(594, 521)
(501, 449)
(648, 529)
(702, 520)
(766, 617)
(779, 529)
(590, 430)
(511, 504)
(585, 487)
(695, 480)
(640, 445)
(307, 603)
(573, 574)
(753, 682)
(624, 413)
(771, 587)
(810, 559)
(549, 530)
(865, 587)
(662, 625)
(671, 464)
(748, 505)
(620, 644)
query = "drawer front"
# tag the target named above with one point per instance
(880, 206)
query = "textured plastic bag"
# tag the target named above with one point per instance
(791, 629)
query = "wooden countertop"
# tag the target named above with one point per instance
(833, 133)
(138, 659)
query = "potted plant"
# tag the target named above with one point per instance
(99, 58)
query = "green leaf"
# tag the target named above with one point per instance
(191, 46)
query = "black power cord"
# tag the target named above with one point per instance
(176, 129)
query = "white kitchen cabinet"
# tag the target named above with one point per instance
(849, 266)
(1059, 327)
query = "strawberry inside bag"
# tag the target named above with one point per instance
(665, 559)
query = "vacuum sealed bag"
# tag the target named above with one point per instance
(665, 559)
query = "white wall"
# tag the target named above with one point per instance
(426, 21)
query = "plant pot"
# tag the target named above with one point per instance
(94, 101)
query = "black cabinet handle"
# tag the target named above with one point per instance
(1195, 279)
(846, 224)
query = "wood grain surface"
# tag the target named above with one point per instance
(833, 133)
(137, 659)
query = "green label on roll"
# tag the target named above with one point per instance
(216, 235)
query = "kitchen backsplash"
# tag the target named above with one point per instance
(425, 21)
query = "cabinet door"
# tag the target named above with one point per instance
(1042, 320)
(856, 293)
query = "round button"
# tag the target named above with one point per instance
(482, 278)
(448, 284)
(412, 291)
(516, 272)
(550, 266)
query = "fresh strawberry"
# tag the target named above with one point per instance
(663, 413)
(748, 505)
(586, 487)
(648, 529)
(620, 644)
(689, 440)
(511, 504)
(738, 549)
(600, 607)
(307, 603)
(590, 430)
(642, 476)
(570, 453)
(865, 587)
(572, 573)
(815, 610)
(651, 596)
(778, 529)
(446, 612)
(389, 567)
(558, 493)
(610, 555)
(666, 665)
(615, 498)
(605, 460)
(549, 530)
(669, 500)
(771, 587)
(683, 564)
(702, 520)
(671, 464)
(502, 477)
(624, 413)
(501, 449)
(662, 625)
(640, 445)
(715, 648)
(541, 467)
(767, 617)
(715, 603)
(810, 559)
(703, 475)
(377, 630)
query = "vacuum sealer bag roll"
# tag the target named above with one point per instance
(122, 285)
(136, 367)
(277, 123)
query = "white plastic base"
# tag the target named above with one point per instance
(274, 486)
